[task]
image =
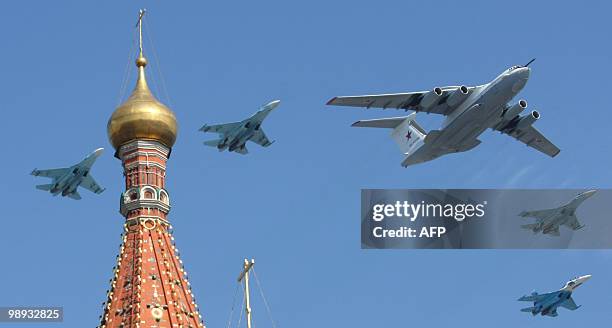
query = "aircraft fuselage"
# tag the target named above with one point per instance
(481, 110)
(241, 135)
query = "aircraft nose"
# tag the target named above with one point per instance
(520, 77)
(589, 194)
(98, 152)
(273, 104)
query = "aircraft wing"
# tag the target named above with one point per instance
(220, 128)
(573, 223)
(529, 136)
(260, 138)
(570, 304)
(90, 184)
(539, 214)
(405, 101)
(53, 173)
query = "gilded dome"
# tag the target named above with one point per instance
(142, 116)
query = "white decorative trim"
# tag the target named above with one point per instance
(153, 191)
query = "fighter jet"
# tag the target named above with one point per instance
(547, 304)
(67, 180)
(469, 112)
(549, 221)
(233, 136)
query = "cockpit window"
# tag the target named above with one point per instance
(513, 68)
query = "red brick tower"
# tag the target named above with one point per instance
(149, 288)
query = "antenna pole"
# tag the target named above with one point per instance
(244, 275)
(139, 23)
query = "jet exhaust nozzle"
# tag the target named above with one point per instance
(515, 110)
(528, 119)
(431, 97)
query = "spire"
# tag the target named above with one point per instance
(149, 287)
(141, 61)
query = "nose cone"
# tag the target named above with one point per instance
(520, 77)
(578, 281)
(98, 152)
(585, 195)
(272, 104)
(588, 194)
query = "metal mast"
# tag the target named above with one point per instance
(244, 275)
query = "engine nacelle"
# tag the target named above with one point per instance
(431, 98)
(528, 120)
(516, 109)
(457, 96)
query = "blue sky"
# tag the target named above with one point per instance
(295, 206)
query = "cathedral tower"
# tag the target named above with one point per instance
(149, 288)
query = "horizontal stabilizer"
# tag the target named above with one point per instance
(385, 123)
(530, 226)
(75, 195)
(213, 143)
(529, 309)
(242, 150)
(45, 187)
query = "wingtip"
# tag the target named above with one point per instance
(330, 102)
(356, 124)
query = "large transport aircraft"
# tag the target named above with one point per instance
(469, 112)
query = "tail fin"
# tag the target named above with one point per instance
(45, 187)
(406, 131)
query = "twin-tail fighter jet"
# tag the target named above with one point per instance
(233, 136)
(547, 304)
(469, 112)
(549, 221)
(67, 180)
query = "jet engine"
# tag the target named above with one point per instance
(430, 98)
(528, 119)
(457, 96)
(516, 109)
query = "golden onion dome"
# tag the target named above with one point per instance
(142, 116)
